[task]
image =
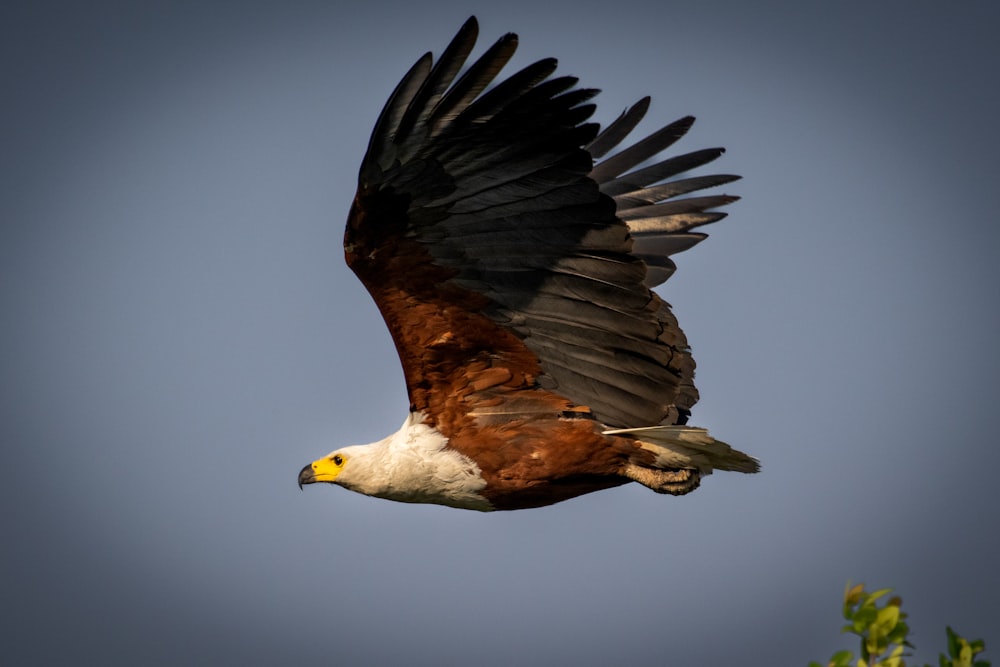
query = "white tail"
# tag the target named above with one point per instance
(689, 447)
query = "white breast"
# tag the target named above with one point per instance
(414, 465)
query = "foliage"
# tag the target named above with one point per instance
(883, 632)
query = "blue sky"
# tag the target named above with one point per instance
(180, 335)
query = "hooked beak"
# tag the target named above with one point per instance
(307, 475)
(325, 469)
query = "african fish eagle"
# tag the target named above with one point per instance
(514, 264)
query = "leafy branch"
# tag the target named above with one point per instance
(883, 632)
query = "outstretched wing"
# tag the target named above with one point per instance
(506, 265)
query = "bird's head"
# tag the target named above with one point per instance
(357, 467)
(413, 465)
(326, 469)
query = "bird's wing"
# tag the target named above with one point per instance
(505, 263)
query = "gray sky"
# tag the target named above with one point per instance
(180, 335)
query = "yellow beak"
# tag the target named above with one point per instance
(321, 470)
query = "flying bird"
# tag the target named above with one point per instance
(513, 263)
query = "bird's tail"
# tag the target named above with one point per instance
(682, 454)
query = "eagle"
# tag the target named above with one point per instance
(514, 265)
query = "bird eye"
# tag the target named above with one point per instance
(338, 459)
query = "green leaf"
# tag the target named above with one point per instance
(852, 594)
(864, 617)
(887, 618)
(965, 654)
(842, 658)
(895, 659)
(871, 597)
(953, 646)
(899, 633)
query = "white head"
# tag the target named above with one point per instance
(360, 468)
(413, 465)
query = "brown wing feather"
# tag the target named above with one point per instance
(508, 283)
